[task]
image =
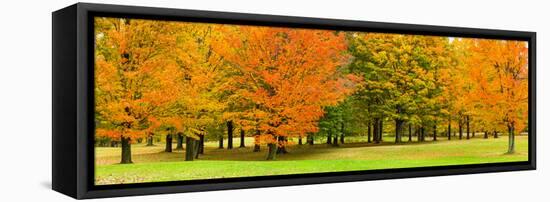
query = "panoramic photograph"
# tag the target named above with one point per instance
(178, 101)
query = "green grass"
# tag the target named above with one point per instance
(153, 165)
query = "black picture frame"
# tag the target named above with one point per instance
(73, 98)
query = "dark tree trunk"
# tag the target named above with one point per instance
(410, 132)
(196, 148)
(201, 144)
(467, 127)
(230, 135)
(282, 142)
(126, 149)
(242, 139)
(311, 139)
(369, 133)
(342, 135)
(435, 133)
(449, 131)
(272, 151)
(375, 131)
(300, 140)
(485, 135)
(179, 141)
(335, 141)
(189, 147)
(257, 141)
(511, 139)
(220, 145)
(495, 134)
(150, 140)
(168, 147)
(329, 137)
(422, 134)
(398, 130)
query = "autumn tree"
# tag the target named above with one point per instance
(133, 77)
(289, 75)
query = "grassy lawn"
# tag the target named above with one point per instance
(151, 164)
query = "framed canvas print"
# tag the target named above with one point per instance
(155, 100)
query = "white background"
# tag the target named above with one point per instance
(25, 100)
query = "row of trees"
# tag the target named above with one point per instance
(194, 80)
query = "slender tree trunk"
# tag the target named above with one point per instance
(343, 133)
(168, 147)
(495, 134)
(410, 132)
(189, 147)
(486, 135)
(230, 135)
(179, 141)
(272, 151)
(196, 148)
(449, 130)
(257, 141)
(126, 150)
(150, 140)
(220, 145)
(511, 139)
(311, 139)
(201, 144)
(329, 137)
(242, 139)
(468, 127)
(375, 133)
(422, 134)
(435, 132)
(300, 140)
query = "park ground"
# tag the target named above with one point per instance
(152, 164)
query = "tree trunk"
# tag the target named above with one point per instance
(422, 134)
(329, 137)
(376, 133)
(335, 141)
(168, 147)
(196, 148)
(343, 134)
(449, 131)
(460, 131)
(311, 139)
(486, 135)
(220, 145)
(281, 149)
(467, 127)
(495, 134)
(230, 135)
(189, 147)
(369, 133)
(201, 144)
(398, 130)
(300, 140)
(179, 142)
(272, 151)
(410, 132)
(150, 140)
(242, 139)
(511, 139)
(257, 141)
(126, 150)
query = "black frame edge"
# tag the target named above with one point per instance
(64, 158)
